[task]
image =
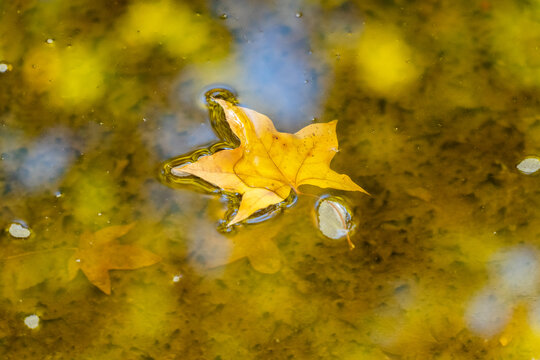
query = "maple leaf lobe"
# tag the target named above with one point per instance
(99, 252)
(269, 164)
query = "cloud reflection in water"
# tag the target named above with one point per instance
(273, 70)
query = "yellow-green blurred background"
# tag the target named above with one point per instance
(437, 102)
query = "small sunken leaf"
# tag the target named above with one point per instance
(529, 165)
(100, 252)
(25, 270)
(333, 219)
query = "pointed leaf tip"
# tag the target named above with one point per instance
(95, 259)
(270, 161)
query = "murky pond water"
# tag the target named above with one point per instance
(437, 105)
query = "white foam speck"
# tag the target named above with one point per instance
(19, 231)
(529, 165)
(32, 321)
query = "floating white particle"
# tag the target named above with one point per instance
(4, 67)
(32, 321)
(18, 231)
(50, 41)
(529, 165)
(177, 278)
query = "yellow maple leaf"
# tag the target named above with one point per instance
(268, 164)
(98, 253)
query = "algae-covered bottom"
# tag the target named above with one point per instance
(438, 115)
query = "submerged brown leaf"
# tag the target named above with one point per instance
(99, 252)
(25, 270)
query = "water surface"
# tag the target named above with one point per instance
(437, 102)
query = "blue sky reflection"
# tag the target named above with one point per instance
(272, 70)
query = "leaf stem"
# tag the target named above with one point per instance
(298, 192)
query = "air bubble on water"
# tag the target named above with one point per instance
(223, 16)
(50, 41)
(298, 14)
(177, 278)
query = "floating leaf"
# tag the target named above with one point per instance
(334, 219)
(99, 252)
(269, 164)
